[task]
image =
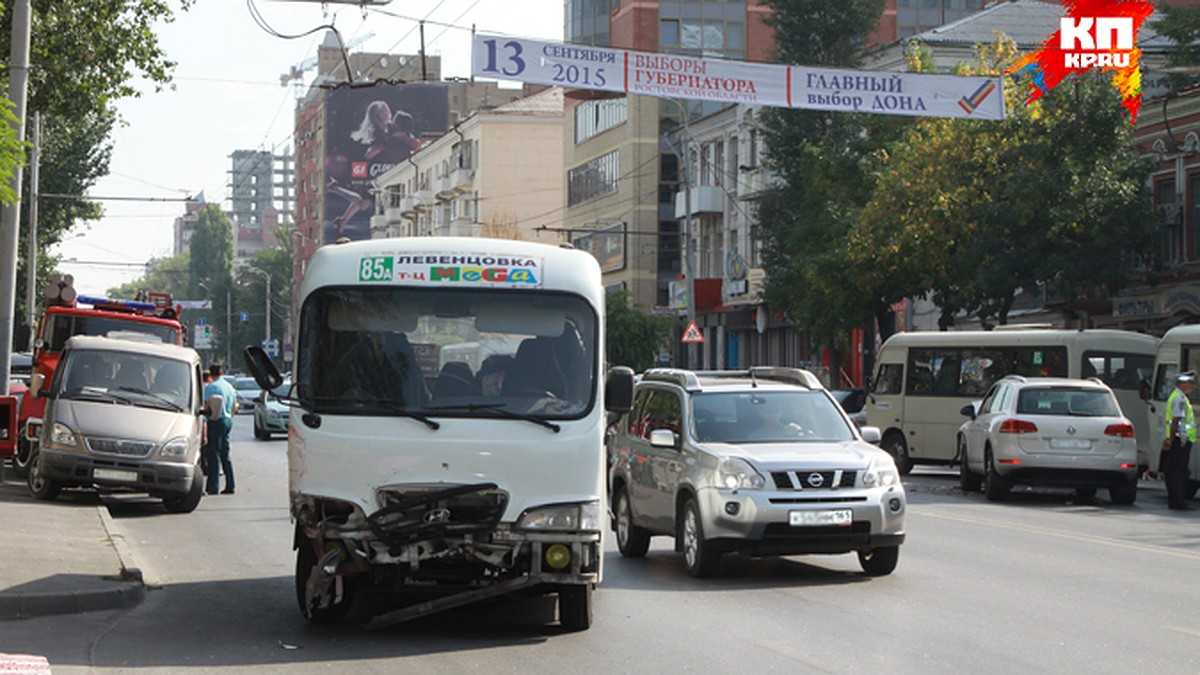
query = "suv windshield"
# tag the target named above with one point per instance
(767, 417)
(127, 377)
(447, 353)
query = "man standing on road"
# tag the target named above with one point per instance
(220, 423)
(1181, 434)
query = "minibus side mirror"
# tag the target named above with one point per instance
(260, 366)
(618, 390)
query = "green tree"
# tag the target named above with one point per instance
(249, 297)
(210, 269)
(169, 275)
(1180, 25)
(823, 161)
(633, 337)
(975, 211)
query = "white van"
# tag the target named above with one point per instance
(438, 487)
(1179, 350)
(922, 380)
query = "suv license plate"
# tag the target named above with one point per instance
(803, 518)
(115, 474)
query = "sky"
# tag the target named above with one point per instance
(227, 96)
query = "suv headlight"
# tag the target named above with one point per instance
(61, 434)
(736, 473)
(562, 517)
(176, 448)
(881, 473)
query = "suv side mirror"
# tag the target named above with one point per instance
(618, 390)
(663, 438)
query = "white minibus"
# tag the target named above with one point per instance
(1178, 350)
(448, 492)
(922, 380)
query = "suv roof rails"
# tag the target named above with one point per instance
(690, 380)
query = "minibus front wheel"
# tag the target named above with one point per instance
(894, 443)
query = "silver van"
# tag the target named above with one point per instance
(122, 414)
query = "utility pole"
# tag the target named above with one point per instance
(10, 218)
(31, 253)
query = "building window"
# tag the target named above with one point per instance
(1169, 217)
(593, 179)
(595, 117)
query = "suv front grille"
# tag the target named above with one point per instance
(813, 480)
(119, 446)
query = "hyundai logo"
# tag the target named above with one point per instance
(815, 479)
(437, 516)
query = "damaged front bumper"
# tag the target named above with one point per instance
(443, 543)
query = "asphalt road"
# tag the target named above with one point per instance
(1039, 584)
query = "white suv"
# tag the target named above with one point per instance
(760, 461)
(1048, 431)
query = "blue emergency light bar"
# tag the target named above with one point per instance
(125, 304)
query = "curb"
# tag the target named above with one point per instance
(123, 591)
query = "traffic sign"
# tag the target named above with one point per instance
(271, 347)
(200, 321)
(692, 334)
(245, 316)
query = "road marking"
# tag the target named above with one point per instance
(1091, 539)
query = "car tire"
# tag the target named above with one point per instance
(896, 446)
(575, 607)
(1124, 494)
(260, 433)
(186, 502)
(879, 562)
(306, 562)
(995, 487)
(40, 487)
(969, 482)
(700, 558)
(632, 541)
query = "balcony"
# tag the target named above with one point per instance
(705, 199)
(444, 188)
(410, 206)
(462, 180)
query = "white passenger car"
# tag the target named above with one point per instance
(1048, 431)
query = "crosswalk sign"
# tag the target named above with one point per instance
(692, 334)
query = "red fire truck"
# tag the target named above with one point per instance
(153, 318)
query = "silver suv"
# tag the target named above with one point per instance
(760, 461)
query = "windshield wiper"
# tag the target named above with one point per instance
(385, 404)
(501, 409)
(94, 394)
(171, 405)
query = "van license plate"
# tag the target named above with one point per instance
(805, 518)
(115, 474)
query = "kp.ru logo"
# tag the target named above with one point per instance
(1093, 34)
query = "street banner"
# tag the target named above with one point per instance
(760, 84)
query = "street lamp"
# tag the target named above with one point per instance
(267, 276)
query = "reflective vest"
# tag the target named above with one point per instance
(1189, 421)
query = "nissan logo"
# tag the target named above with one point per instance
(437, 516)
(815, 479)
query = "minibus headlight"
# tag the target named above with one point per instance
(61, 434)
(562, 517)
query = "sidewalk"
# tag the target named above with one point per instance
(58, 556)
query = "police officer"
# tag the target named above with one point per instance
(1181, 434)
